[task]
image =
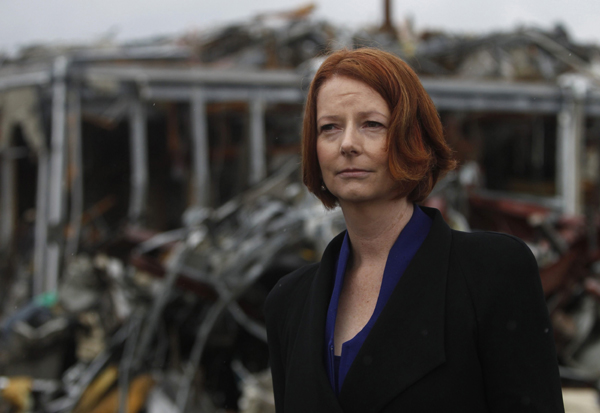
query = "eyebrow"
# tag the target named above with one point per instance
(371, 113)
(362, 114)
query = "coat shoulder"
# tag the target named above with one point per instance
(488, 242)
(494, 252)
(499, 269)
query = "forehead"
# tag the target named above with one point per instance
(342, 91)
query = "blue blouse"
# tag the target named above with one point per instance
(402, 252)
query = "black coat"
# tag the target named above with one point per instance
(465, 330)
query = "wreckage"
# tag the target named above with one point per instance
(150, 199)
(218, 269)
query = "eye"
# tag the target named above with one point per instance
(373, 124)
(328, 127)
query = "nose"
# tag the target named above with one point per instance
(350, 145)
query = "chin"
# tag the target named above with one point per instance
(365, 198)
(357, 198)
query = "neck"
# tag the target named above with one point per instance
(373, 229)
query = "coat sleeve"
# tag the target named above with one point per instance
(514, 334)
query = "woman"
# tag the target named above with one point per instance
(402, 314)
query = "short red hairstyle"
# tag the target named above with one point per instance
(417, 151)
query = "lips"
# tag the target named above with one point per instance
(353, 173)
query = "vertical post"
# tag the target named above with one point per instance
(139, 161)
(76, 168)
(387, 14)
(56, 187)
(388, 26)
(258, 153)
(41, 221)
(537, 147)
(200, 149)
(571, 127)
(7, 199)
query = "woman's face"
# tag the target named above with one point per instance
(352, 126)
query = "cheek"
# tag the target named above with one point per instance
(383, 160)
(322, 155)
(384, 153)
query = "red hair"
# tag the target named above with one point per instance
(417, 151)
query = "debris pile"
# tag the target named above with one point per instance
(140, 323)
(291, 39)
(149, 199)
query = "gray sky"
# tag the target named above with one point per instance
(23, 22)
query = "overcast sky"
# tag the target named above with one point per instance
(23, 22)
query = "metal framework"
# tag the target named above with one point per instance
(571, 100)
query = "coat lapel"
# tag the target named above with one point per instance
(312, 390)
(407, 340)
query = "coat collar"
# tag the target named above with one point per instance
(307, 374)
(406, 342)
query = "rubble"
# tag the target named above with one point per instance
(220, 257)
(150, 198)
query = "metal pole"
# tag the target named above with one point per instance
(387, 26)
(56, 195)
(258, 153)
(41, 221)
(571, 127)
(76, 162)
(7, 200)
(7, 186)
(200, 153)
(139, 161)
(537, 147)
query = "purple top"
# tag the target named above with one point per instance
(400, 255)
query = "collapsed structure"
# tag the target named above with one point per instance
(149, 198)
